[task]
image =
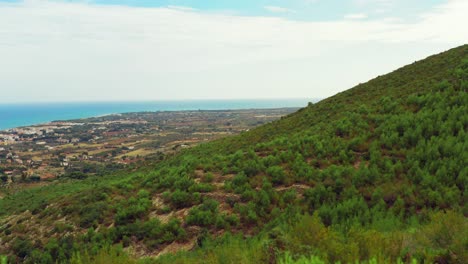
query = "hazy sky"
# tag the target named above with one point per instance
(218, 49)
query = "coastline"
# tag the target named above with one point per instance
(61, 148)
(15, 116)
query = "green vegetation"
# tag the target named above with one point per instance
(376, 174)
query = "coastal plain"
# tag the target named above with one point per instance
(37, 154)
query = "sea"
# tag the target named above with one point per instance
(25, 114)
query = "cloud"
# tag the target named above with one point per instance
(375, 2)
(278, 9)
(380, 6)
(54, 50)
(182, 8)
(356, 16)
(308, 2)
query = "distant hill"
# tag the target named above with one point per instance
(375, 174)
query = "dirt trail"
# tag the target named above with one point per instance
(301, 187)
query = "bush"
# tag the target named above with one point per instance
(278, 176)
(204, 215)
(92, 214)
(288, 259)
(181, 199)
(208, 177)
(202, 188)
(232, 220)
(132, 209)
(3, 178)
(239, 180)
(22, 247)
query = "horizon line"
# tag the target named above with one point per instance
(161, 100)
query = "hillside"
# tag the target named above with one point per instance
(375, 174)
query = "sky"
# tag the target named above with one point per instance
(130, 50)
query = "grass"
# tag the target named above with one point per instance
(138, 152)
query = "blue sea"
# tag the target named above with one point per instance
(25, 114)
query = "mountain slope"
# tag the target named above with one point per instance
(418, 77)
(378, 172)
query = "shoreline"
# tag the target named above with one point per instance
(76, 120)
(61, 148)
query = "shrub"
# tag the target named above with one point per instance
(204, 215)
(278, 176)
(22, 247)
(181, 199)
(202, 188)
(208, 177)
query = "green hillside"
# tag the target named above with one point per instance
(375, 174)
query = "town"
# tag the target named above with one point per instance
(79, 148)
